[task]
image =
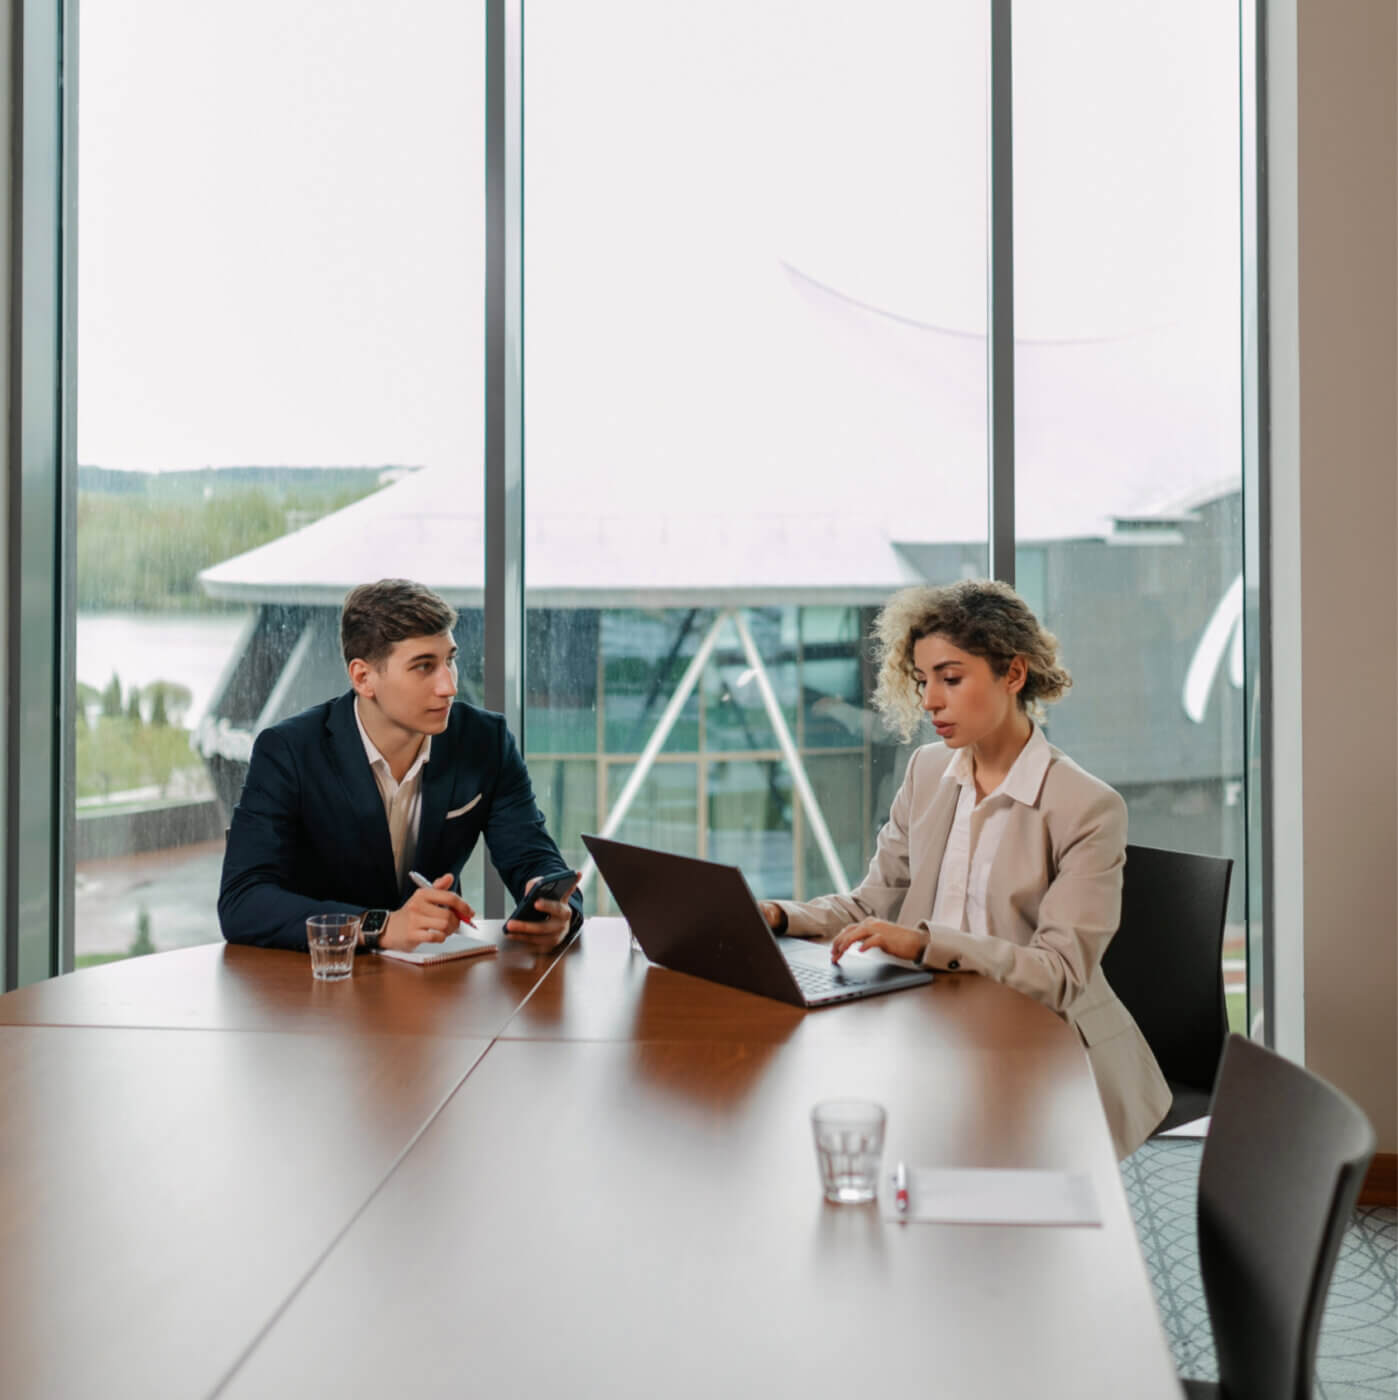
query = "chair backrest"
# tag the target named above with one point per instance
(1166, 961)
(1283, 1163)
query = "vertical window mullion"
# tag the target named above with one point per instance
(1000, 357)
(504, 385)
(67, 516)
(33, 611)
(1257, 524)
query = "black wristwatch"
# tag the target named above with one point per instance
(371, 926)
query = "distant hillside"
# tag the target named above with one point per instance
(206, 483)
(143, 537)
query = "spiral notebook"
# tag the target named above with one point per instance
(456, 945)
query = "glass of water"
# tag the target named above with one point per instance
(849, 1147)
(331, 939)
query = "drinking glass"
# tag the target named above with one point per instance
(331, 939)
(849, 1147)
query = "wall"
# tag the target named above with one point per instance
(1333, 222)
(6, 130)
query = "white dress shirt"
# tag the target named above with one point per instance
(976, 830)
(402, 802)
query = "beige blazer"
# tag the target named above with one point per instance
(1052, 905)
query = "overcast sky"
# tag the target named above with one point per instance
(755, 236)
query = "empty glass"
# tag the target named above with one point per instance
(331, 939)
(849, 1147)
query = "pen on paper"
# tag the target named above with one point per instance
(900, 1187)
(423, 883)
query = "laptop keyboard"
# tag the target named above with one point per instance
(817, 981)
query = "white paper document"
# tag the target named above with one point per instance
(455, 945)
(995, 1196)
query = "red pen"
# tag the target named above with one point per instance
(900, 1187)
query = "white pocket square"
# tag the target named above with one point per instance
(460, 810)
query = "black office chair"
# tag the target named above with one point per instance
(1283, 1163)
(1166, 965)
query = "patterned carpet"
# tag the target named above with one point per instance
(1357, 1357)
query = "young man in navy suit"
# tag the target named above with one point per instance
(344, 801)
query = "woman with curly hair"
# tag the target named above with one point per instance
(1000, 855)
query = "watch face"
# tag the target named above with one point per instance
(374, 920)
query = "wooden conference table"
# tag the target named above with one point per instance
(520, 1176)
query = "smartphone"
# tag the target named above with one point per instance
(554, 885)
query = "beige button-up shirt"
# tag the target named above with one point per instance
(977, 829)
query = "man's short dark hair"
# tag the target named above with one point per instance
(377, 616)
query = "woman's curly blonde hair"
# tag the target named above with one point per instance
(982, 616)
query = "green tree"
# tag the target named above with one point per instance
(141, 944)
(111, 698)
(133, 705)
(169, 701)
(163, 751)
(84, 697)
(142, 551)
(111, 758)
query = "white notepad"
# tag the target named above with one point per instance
(996, 1196)
(455, 945)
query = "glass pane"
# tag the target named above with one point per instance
(561, 648)
(279, 320)
(836, 778)
(1128, 425)
(833, 681)
(643, 660)
(663, 814)
(566, 791)
(750, 823)
(755, 299)
(736, 716)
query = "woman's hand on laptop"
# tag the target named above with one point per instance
(878, 933)
(774, 914)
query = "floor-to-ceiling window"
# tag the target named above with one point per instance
(279, 350)
(756, 374)
(755, 402)
(1128, 391)
(755, 365)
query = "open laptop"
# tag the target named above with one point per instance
(697, 917)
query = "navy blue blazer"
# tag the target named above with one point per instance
(310, 836)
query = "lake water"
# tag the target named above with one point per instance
(190, 648)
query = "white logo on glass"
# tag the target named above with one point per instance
(1222, 636)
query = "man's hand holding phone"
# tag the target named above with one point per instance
(541, 919)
